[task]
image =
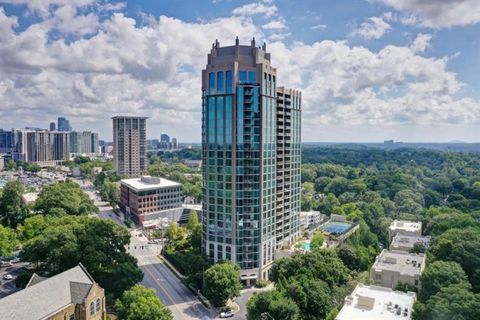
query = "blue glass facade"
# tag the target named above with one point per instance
(239, 144)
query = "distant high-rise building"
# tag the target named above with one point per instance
(46, 148)
(152, 144)
(85, 142)
(63, 124)
(13, 143)
(174, 143)
(241, 222)
(164, 141)
(52, 126)
(130, 145)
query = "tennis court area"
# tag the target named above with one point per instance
(337, 227)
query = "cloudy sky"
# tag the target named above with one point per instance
(369, 70)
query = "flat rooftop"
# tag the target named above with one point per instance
(400, 261)
(379, 303)
(408, 241)
(407, 226)
(149, 183)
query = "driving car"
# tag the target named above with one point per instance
(227, 314)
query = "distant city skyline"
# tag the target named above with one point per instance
(370, 70)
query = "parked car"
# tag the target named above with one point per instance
(7, 277)
(15, 260)
(5, 264)
(227, 314)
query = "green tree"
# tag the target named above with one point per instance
(272, 305)
(454, 302)
(10, 165)
(312, 296)
(140, 303)
(175, 233)
(194, 228)
(12, 209)
(60, 243)
(222, 282)
(317, 240)
(317, 264)
(463, 247)
(8, 241)
(66, 196)
(441, 274)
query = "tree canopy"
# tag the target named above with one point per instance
(222, 282)
(273, 304)
(12, 209)
(8, 241)
(441, 274)
(60, 243)
(140, 303)
(64, 198)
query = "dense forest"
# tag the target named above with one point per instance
(373, 187)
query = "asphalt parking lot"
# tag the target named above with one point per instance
(8, 287)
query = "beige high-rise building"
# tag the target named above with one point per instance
(287, 223)
(130, 145)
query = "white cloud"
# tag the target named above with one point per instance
(256, 8)
(421, 42)
(275, 25)
(319, 27)
(438, 13)
(43, 7)
(373, 28)
(345, 85)
(123, 67)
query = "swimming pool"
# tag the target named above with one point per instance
(337, 227)
(307, 246)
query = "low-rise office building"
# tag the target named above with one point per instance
(377, 303)
(394, 267)
(403, 242)
(70, 295)
(404, 227)
(149, 198)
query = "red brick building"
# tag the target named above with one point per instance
(149, 198)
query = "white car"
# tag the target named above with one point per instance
(227, 314)
(7, 277)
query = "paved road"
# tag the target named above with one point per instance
(181, 301)
(173, 293)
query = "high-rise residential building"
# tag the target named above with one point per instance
(287, 222)
(130, 145)
(174, 144)
(63, 124)
(6, 141)
(164, 141)
(85, 143)
(46, 148)
(52, 126)
(239, 153)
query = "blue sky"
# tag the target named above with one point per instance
(369, 69)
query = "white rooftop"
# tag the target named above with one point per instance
(377, 303)
(30, 197)
(408, 241)
(149, 183)
(400, 261)
(407, 226)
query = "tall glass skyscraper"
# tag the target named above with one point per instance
(239, 139)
